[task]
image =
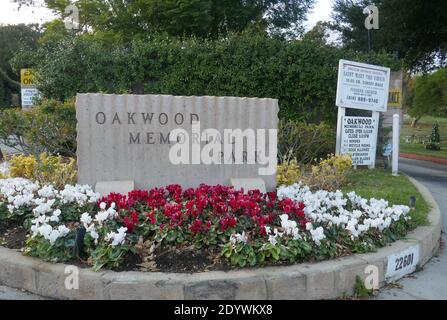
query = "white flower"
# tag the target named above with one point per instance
(86, 219)
(103, 205)
(54, 235)
(272, 239)
(267, 229)
(351, 212)
(117, 238)
(317, 235)
(63, 230)
(238, 238)
(45, 231)
(94, 235)
(101, 216)
(47, 192)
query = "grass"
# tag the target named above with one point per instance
(419, 149)
(422, 130)
(380, 184)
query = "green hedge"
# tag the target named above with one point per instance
(301, 74)
(50, 127)
(305, 142)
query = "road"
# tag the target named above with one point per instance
(431, 282)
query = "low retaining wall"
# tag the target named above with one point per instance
(323, 280)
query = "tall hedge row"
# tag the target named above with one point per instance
(301, 74)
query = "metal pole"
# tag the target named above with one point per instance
(396, 140)
(341, 114)
(376, 118)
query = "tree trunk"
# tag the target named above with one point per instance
(12, 83)
(415, 122)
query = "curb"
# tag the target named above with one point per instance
(324, 280)
(423, 158)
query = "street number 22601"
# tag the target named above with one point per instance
(404, 262)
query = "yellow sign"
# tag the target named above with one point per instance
(395, 97)
(27, 77)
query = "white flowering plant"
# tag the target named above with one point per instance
(294, 224)
(23, 201)
(358, 224)
(106, 241)
(48, 214)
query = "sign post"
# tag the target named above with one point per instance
(29, 89)
(396, 135)
(366, 87)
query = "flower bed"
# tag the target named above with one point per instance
(210, 227)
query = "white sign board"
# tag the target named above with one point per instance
(402, 263)
(359, 139)
(28, 95)
(362, 86)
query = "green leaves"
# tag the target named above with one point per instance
(60, 251)
(260, 252)
(240, 255)
(301, 74)
(108, 256)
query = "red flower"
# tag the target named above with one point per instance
(227, 222)
(196, 226)
(136, 196)
(197, 209)
(151, 217)
(120, 201)
(131, 221)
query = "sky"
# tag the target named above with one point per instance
(9, 13)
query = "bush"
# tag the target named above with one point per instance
(50, 127)
(305, 142)
(301, 74)
(45, 169)
(434, 142)
(329, 174)
(288, 172)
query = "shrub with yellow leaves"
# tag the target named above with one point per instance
(288, 172)
(330, 174)
(45, 169)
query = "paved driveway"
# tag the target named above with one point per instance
(430, 283)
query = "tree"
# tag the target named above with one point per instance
(200, 18)
(430, 95)
(12, 39)
(413, 29)
(318, 34)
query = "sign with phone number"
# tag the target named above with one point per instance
(362, 86)
(402, 263)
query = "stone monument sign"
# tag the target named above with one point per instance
(157, 140)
